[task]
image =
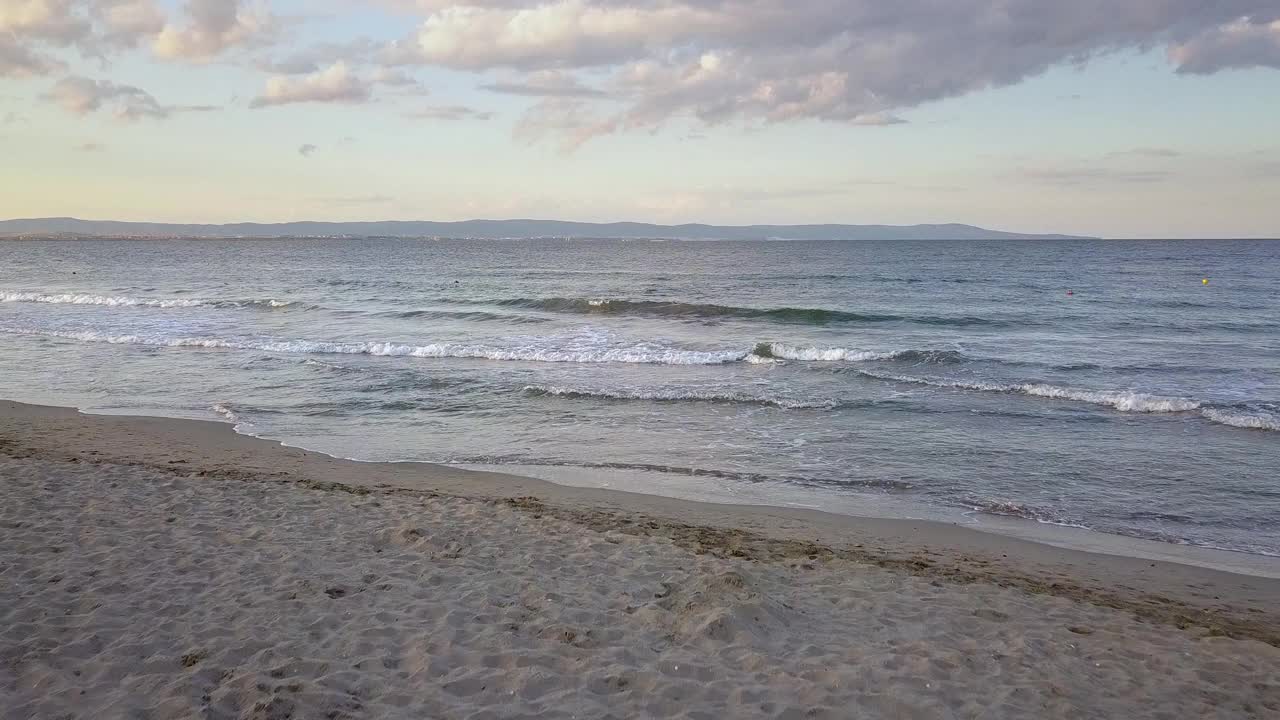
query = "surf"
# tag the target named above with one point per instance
(129, 301)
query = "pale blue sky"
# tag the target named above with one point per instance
(733, 123)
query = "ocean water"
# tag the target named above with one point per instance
(1094, 384)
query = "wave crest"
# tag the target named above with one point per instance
(637, 354)
(1256, 420)
(678, 395)
(126, 301)
(1008, 508)
(1122, 400)
(708, 311)
(782, 351)
(225, 411)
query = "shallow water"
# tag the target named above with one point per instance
(943, 376)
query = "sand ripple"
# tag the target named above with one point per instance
(132, 593)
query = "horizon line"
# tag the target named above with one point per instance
(699, 224)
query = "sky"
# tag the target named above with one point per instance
(1120, 118)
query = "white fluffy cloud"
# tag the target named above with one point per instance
(449, 112)
(861, 62)
(335, 84)
(211, 27)
(127, 22)
(81, 96)
(856, 61)
(568, 33)
(53, 21)
(29, 29)
(1240, 44)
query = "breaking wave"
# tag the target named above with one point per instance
(1249, 420)
(1025, 511)
(226, 412)
(706, 311)
(641, 354)
(1240, 416)
(1122, 400)
(126, 301)
(678, 395)
(472, 315)
(782, 351)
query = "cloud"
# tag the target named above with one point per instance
(544, 83)
(1146, 152)
(307, 150)
(395, 78)
(211, 27)
(322, 55)
(25, 24)
(51, 21)
(568, 33)
(1239, 44)
(335, 84)
(449, 112)
(357, 200)
(1090, 175)
(90, 147)
(400, 82)
(81, 96)
(879, 119)
(573, 120)
(127, 22)
(19, 61)
(833, 60)
(292, 65)
(92, 27)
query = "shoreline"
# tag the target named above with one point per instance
(170, 569)
(840, 505)
(859, 505)
(1156, 590)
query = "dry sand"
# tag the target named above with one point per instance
(155, 568)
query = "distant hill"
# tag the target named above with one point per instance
(494, 229)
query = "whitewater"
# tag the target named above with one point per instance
(956, 381)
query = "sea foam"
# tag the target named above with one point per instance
(677, 395)
(1122, 400)
(127, 301)
(638, 354)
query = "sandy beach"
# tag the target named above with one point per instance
(157, 568)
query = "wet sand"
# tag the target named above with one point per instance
(164, 568)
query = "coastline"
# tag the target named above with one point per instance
(1160, 590)
(171, 568)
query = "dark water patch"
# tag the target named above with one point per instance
(677, 395)
(741, 476)
(708, 311)
(465, 315)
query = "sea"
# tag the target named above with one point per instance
(1128, 388)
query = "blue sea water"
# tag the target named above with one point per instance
(1097, 384)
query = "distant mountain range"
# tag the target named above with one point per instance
(497, 229)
